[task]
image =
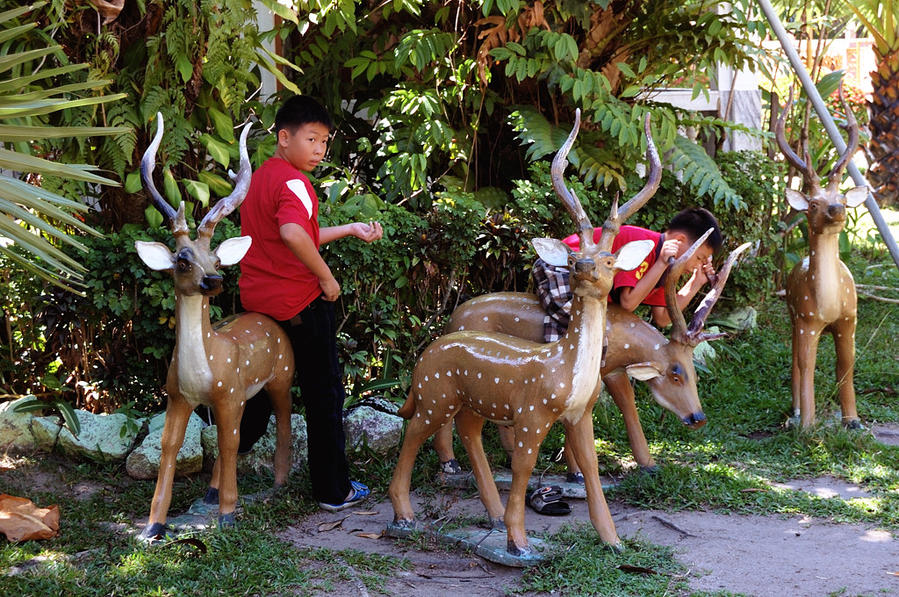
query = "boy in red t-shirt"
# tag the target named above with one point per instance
(284, 276)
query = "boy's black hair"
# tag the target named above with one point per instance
(693, 222)
(300, 110)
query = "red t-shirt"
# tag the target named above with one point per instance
(656, 296)
(273, 281)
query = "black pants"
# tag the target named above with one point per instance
(313, 335)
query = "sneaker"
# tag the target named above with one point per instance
(360, 492)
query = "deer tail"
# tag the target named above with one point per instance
(408, 408)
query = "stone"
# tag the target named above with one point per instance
(261, 457)
(15, 428)
(143, 461)
(380, 431)
(101, 439)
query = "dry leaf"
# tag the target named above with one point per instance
(21, 520)
(330, 526)
(369, 535)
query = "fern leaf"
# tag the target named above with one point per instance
(700, 172)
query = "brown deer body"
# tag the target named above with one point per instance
(820, 291)
(634, 347)
(218, 366)
(475, 376)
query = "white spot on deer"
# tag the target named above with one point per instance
(256, 380)
(219, 384)
(286, 368)
(531, 407)
(571, 347)
(246, 331)
(248, 363)
(496, 380)
(443, 395)
(812, 333)
(813, 276)
(561, 384)
(517, 319)
(479, 375)
(238, 370)
(553, 396)
(205, 305)
(486, 318)
(268, 350)
(530, 451)
(811, 313)
(267, 335)
(545, 401)
(525, 429)
(251, 346)
(519, 410)
(208, 334)
(228, 359)
(449, 373)
(235, 431)
(452, 406)
(430, 412)
(656, 347)
(520, 444)
(231, 391)
(801, 331)
(511, 381)
(553, 370)
(419, 386)
(633, 324)
(427, 421)
(806, 298)
(562, 361)
(839, 335)
(461, 327)
(280, 356)
(626, 346)
(211, 357)
(446, 415)
(507, 407)
(279, 340)
(538, 430)
(525, 382)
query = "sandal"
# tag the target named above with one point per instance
(548, 500)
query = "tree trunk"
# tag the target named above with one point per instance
(883, 149)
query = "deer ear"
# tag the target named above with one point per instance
(632, 254)
(856, 196)
(551, 250)
(643, 371)
(797, 200)
(233, 250)
(156, 256)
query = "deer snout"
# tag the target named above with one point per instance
(211, 284)
(836, 212)
(584, 266)
(695, 420)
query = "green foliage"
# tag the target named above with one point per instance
(33, 404)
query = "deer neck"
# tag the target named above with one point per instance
(824, 273)
(193, 329)
(583, 342)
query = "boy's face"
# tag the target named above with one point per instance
(702, 254)
(305, 147)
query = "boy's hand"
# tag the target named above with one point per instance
(705, 273)
(368, 232)
(669, 250)
(330, 288)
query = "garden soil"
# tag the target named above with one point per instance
(752, 555)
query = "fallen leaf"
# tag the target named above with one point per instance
(330, 526)
(636, 569)
(369, 535)
(366, 513)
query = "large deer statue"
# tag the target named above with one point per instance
(222, 365)
(634, 348)
(473, 376)
(820, 289)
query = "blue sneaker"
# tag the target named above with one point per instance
(360, 492)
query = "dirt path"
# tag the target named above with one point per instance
(753, 555)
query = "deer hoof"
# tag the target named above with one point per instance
(651, 470)
(497, 524)
(227, 521)
(154, 532)
(212, 496)
(519, 552)
(854, 424)
(617, 547)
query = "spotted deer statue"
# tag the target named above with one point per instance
(820, 289)
(634, 348)
(475, 376)
(222, 365)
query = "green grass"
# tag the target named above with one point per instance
(726, 466)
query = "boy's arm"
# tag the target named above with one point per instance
(685, 294)
(301, 244)
(631, 297)
(367, 232)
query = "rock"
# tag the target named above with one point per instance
(143, 462)
(15, 428)
(261, 457)
(45, 431)
(101, 438)
(380, 431)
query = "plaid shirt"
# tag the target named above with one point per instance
(554, 292)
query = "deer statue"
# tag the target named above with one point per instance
(470, 376)
(634, 348)
(820, 289)
(222, 365)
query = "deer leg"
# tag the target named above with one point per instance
(622, 392)
(524, 458)
(177, 414)
(443, 443)
(805, 351)
(281, 405)
(580, 437)
(227, 416)
(507, 439)
(416, 433)
(844, 343)
(470, 426)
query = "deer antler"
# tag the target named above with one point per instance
(836, 173)
(170, 217)
(569, 199)
(810, 175)
(617, 217)
(228, 204)
(675, 270)
(694, 332)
